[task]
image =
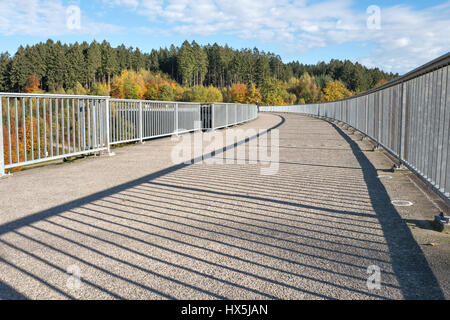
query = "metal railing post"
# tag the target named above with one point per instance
(212, 117)
(401, 155)
(176, 119)
(2, 151)
(141, 129)
(226, 115)
(108, 129)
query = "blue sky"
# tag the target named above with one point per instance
(406, 35)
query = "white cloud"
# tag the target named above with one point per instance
(44, 17)
(407, 37)
(128, 3)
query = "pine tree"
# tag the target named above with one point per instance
(110, 64)
(94, 62)
(200, 62)
(5, 66)
(262, 69)
(36, 56)
(56, 67)
(20, 69)
(138, 60)
(76, 64)
(153, 61)
(123, 58)
(186, 64)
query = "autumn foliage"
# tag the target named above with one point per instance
(34, 84)
(381, 82)
(238, 93)
(335, 90)
(18, 147)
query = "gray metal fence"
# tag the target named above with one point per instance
(44, 127)
(38, 127)
(228, 114)
(409, 117)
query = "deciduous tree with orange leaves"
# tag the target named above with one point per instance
(34, 84)
(380, 82)
(238, 93)
(253, 95)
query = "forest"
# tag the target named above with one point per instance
(190, 72)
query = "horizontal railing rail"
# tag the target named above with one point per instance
(44, 127)
(409, 117)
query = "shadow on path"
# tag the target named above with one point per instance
(131, 216)
(9, 293)
(28, 220)
(410, 266)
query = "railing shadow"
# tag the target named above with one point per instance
(9, 293)
(12, 227)
(411, 268)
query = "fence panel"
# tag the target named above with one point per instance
(219, 115)
(44, 127)
(124, 120)
(189, 117)
(38, 128)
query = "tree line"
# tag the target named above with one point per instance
(190, 72)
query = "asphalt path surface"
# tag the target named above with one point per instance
(138, 225)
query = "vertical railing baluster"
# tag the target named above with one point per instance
(24, 130)
(38, 128)
(44, 115)
(73, 126)
(108, 135)
(51, 128)
(9, 131)
(79, 106)
(2, 151)
(57, 104)
(176, 119)
(63, 130)
(16, 120)
(68, 124)
(31, 129)
(141, 122)
(88, 121)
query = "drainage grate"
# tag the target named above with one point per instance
(401, 203)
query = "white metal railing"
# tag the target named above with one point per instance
(409, 117)
(227, 114)
(44, 127)
(38, 127)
